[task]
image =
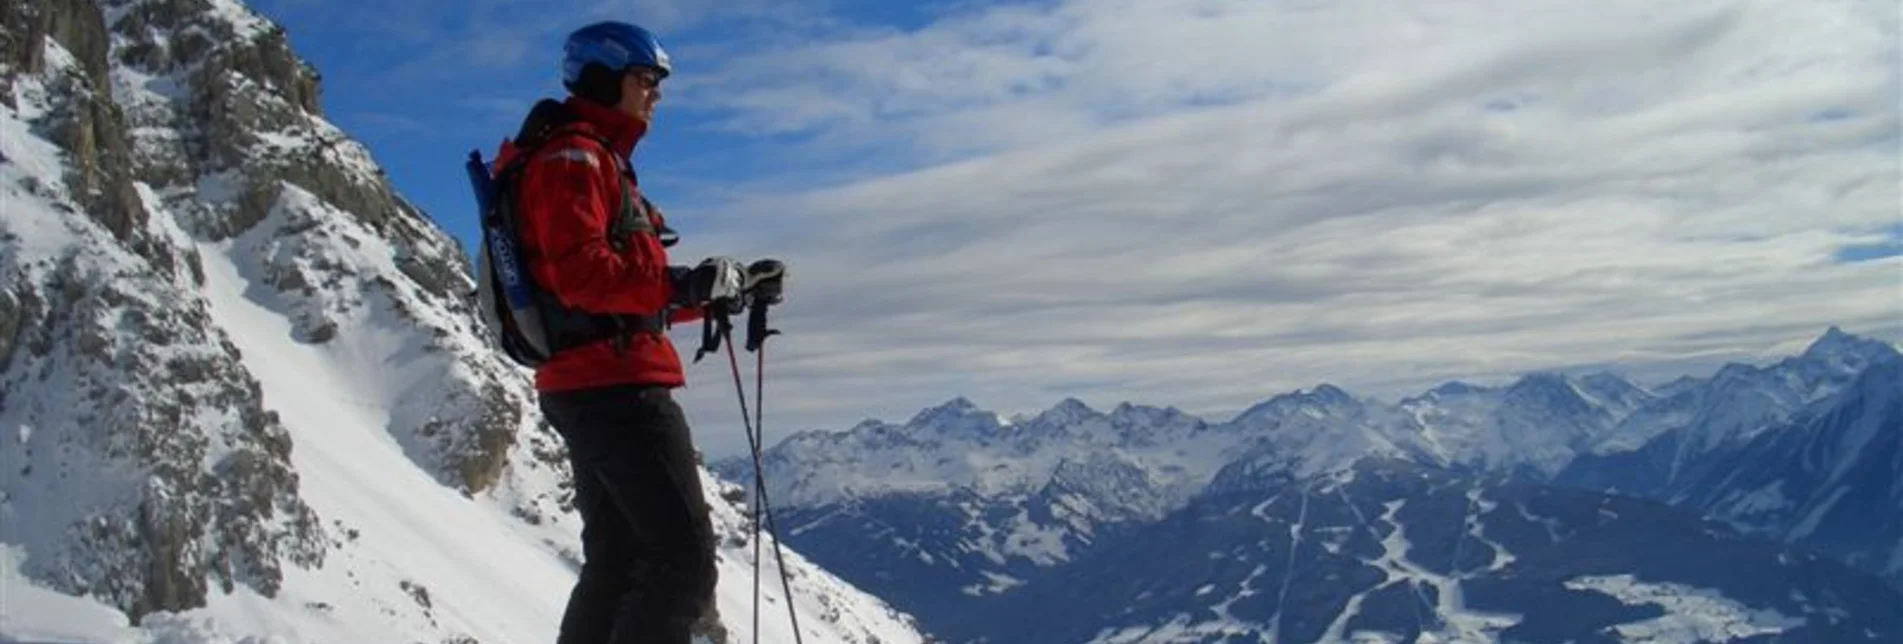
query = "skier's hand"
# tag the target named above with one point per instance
(766, 281)
(716, 282)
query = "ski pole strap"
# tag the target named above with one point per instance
(715, 325)
(757, 331)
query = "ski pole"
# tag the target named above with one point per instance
(755, 435)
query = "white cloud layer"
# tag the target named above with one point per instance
(1203, 203)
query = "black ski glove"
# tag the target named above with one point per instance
(716, 282)
(766, 281)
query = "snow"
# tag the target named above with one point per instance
(999, 584)
(1180, 628)
(350, 465)
(31, 614)
(243, 23)
(1177, 629)
(1691, 614)
(1043, 545)
(1288, 567)
(1018, 537)
(28, 155)
(34, 228)
(1353, 607)
(1811, 520)
(1244, 590)
(1477, 508)
(1461, 624)
(1769, 498)
(58, 59)
(1225, 625)
(1552, 525)
(247, 23)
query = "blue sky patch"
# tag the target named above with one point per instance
(1891, 247)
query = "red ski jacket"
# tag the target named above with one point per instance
(569, 192)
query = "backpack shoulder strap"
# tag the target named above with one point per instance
(547, 116)
(550, 121)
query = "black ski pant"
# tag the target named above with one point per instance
(647, 541)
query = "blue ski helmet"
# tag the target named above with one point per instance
(615, 45)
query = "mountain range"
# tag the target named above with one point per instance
(959, 508)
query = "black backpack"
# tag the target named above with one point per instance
(528, 322)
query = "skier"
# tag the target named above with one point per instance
(589, 239)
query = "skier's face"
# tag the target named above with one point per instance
(640, 90)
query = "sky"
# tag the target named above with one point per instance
(1203, 203)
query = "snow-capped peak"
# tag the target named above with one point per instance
(958, 404)
(956, 408)
(956, 418)
(1551, 391)
(1536, 425)
(1323, 401)
(1836, 355)
(1615, 392)
(1129, 414)
(1837, 343)
(1069, 411)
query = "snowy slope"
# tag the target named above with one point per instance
(242, 397)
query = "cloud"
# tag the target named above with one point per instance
(1201, 204)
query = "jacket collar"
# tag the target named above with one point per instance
(621, 130)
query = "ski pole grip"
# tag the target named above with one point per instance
(757, 330)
